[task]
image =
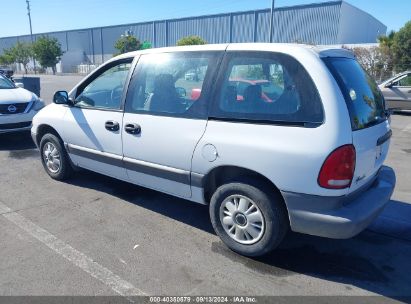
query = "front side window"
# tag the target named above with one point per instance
(106, 90)
(404, 82)
(5, 83)
(169, 84)
(267, 87)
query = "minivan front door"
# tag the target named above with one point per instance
(165, 117)
(93, 125)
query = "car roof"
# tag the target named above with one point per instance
(286, 48)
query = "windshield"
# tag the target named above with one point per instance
(6, 83)
(364, 100)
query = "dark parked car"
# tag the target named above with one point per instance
(6, 71)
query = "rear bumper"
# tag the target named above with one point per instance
(340, 217)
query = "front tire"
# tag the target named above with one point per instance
(54, 157)
(249, 219)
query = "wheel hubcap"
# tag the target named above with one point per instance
(51, 157)
(242, 220)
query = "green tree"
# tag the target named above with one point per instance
(7, 57)
(21, 53)
(47, 52)
(191, 40)
(402, 48)
(386, 48)
(127, 43)
(146, 45)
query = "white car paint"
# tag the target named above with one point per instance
(85, 128)
(170, 149)
(15, 96)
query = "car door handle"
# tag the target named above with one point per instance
(112, 125)
(132, 128)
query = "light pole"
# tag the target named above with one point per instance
(271, 20)
(31, 33)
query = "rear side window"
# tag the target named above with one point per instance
(364, 100)
(266, 87)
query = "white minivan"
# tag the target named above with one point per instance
(272, 136)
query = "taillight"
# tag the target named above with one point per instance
(338, 169)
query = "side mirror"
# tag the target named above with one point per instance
(61, 97)
(19, 85)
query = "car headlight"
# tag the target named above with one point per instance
(38, 104)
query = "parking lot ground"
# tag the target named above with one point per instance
(94, 235)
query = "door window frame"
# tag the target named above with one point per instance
(94, 75)
(396, 83)
(207, 89)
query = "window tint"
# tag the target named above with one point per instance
(267, 87)
(106, 90)
(364, 100)
(169, 84)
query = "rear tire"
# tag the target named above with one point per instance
(249, 218)
(54, 157)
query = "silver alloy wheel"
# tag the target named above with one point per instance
(242, 219)
(51, 156)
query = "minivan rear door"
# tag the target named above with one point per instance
(371, 129)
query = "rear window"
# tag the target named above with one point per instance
(365, 102)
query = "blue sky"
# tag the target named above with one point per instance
(57, 15)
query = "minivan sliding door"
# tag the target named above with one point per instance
(165, 117)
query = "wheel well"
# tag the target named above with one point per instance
(44, 129)
(221, 175)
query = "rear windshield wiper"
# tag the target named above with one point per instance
(374, 122)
